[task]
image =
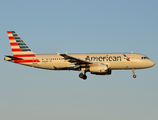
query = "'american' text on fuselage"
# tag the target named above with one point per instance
(103, 58)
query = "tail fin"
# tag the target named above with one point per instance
(19, 48)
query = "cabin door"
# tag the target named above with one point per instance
(133, 59)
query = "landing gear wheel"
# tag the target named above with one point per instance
(84, 77)
(134, 76)
(81, 75)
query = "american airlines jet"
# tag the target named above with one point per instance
(98, 64)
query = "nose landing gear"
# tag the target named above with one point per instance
(134, 76)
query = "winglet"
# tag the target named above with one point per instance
(58, 53)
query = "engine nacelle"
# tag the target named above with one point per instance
(108, 72)
(100, 70)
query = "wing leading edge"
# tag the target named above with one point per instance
(74, 60)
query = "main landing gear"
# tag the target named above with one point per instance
(83, 76)
(134, 76)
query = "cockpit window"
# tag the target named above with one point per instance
(145, 58)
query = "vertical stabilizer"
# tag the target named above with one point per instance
(18, 46)
(21, 52)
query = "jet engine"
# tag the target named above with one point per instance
(100, 70)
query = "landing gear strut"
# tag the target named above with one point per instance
(134, 76)
(83, 76)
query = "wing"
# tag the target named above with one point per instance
(74, 60)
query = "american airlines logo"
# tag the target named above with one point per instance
(125, 57)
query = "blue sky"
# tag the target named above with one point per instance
(84, 26)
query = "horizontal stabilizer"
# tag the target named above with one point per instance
(10, 58)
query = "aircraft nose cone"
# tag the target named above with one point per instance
(152, 63)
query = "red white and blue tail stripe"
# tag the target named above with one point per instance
(17, 44)
(20, 50)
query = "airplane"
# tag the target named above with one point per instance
(95, 63)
